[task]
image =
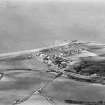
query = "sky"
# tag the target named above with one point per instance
(32, 25)
(57, 0)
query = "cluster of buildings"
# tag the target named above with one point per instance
(59, 56)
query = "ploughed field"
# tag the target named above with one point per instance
(72, 73)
